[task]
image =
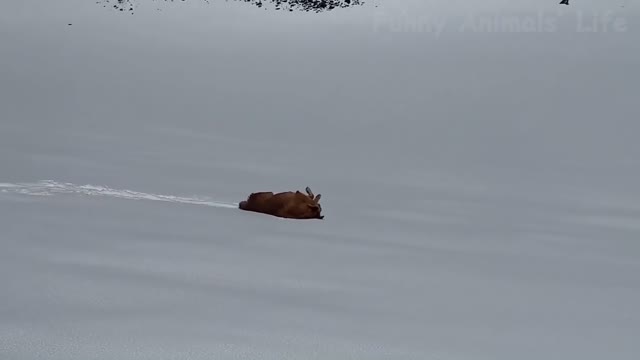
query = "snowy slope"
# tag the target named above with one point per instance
(480, 189)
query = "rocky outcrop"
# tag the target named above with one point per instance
(287, 5)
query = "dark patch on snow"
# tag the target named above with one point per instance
(287, 5)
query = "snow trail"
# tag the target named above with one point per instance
(50, 188)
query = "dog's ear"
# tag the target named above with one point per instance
(317, 198)
(309, 192)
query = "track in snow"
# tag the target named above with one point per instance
(50, 188)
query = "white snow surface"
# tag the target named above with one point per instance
(480, 190)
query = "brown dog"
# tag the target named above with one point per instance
(292, 205)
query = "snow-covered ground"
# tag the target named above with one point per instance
(480, 188)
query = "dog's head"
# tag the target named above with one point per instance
(313, 205)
